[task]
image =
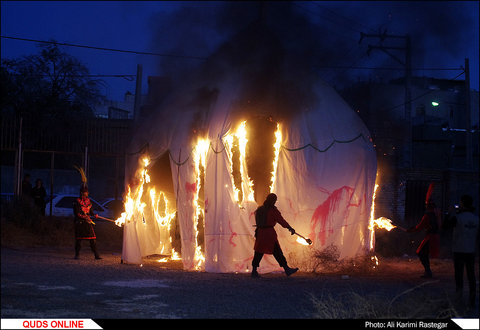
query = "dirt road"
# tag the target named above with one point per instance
(48, 283)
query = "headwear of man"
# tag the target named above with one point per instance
(84, 186)
(270, 200)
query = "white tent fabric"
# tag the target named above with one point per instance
(325, 174)
(324, 183)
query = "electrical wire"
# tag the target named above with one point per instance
(386, 68)
(344, 17)
(419, 96)
(105, 49)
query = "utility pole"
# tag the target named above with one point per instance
(138, 93)
(19, 161)
(468, 132)
(407, 63)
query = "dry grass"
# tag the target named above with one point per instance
(415, 303)
(328, 261)
(433, 299)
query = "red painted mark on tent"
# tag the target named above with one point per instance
(191, 188)
(233, 235)
(323, 216)
(241, 266)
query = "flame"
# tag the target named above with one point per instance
(371, 224)
(277, 145)
(301, 241)
(175, 255)
(137, 209)
(240, 135)
(381, 223)
(199, 158)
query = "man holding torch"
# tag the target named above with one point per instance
(82, 210)
(430, 245)
(266, 241)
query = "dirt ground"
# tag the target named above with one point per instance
(45, 281)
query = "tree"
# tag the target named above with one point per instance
(51, 84)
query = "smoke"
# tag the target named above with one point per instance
(273, 44)
(324, 34)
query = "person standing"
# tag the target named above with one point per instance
(26, 187)
(465, 236)
(429, 247)
(82, 210)
(266, 241)
(39, 194)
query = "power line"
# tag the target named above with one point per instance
(386, 68)
(322, 15)
(420, 96)
(343, 17)
(105, 49)
(82, 75)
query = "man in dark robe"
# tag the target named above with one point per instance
(82, 209)
(39, 194)
(266, 241)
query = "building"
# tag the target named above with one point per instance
(441, 148)
(124, 109)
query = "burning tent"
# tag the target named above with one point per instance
(250, 121)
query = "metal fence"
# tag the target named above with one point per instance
(49, 148)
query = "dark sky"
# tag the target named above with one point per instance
(443, 34)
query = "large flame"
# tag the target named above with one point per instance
(239, 136)
(277, 145)
(381, 223)
(140, 205)
(136, 209)
(199, 158)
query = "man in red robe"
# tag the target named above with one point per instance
(430, 245)
(266, 241)
(82, 210)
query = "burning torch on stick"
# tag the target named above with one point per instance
(100, 217)
(308, 240)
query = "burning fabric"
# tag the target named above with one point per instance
(267, 127)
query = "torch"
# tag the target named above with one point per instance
(100, 217)
(308, 240)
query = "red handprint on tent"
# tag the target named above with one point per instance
(335, 206)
